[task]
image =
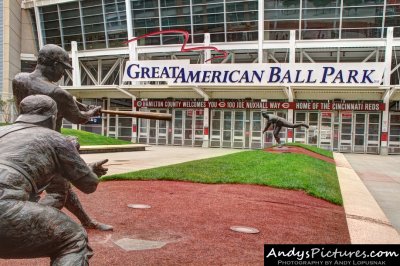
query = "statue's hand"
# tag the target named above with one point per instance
(98, 169)
(94, 111)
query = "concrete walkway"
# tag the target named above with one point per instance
(366, 221)
(381, 175)
(154, 156)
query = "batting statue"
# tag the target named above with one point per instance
(32, 153)
(278, 123)
(51, 65)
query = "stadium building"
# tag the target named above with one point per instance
(333, 64)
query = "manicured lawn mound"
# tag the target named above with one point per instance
(91, 139)
(313, 149)
(290, 171)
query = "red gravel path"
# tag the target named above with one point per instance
(195, 219)
(294, 149)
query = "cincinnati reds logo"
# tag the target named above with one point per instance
(285, 105)
(139, 104)
(185, 34)
(221, 104)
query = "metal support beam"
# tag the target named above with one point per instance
(38, 25)
(207, 53)
(308, 57)
(201, 92)
(90, 75)
(260, 31)
(292, 46)
(394, 69)
(76, 73)
(116, 64)
(69, 74)
(386, 82)
(227, 58)
(273, 58)
(369, 56)
(99, 70)
(289, 93)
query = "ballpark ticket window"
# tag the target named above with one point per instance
(153, 131)
(238, 129)
(198, 127)
(312, 132)
(346, 123)
(215, 128)
(178, 127)
(394, 133)
(373, 134)
(227, 128)
(162, 130)
(124, 128)
(325, 131)
(188, 127)
(256, 130)
(319, 131)
(359, 133)
(111, 127)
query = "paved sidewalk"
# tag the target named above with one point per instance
(154, 156)
(366, 221)
(381, 175)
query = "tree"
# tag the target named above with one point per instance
(7, 108)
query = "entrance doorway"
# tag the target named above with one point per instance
(153, 131)
(394, 133)
(120, 126)
(187, 127)
(228, 128)
(359, 132)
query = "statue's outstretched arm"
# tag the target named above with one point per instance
(267, 126)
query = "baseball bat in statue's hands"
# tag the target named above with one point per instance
(147, 115)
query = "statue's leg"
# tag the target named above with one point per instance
(291, 125)
(59, 194)
(56, 193)
(276, 134)
(73, 204)
(31, 230)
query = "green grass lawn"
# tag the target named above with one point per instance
(90, 139)
(290, 171)
(312, 148)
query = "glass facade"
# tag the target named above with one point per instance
(98, 24)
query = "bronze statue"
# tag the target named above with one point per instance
(51, 65)
(278, 123)
(32, 153)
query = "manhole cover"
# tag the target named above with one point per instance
(245, 229)
(139, 206)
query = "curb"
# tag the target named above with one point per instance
(366, 221)
(112, 148)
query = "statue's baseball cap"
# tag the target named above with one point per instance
(37, 108)
(51, 53)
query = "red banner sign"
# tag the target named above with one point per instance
(213, 104)
(342, 106)
(339, 106)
